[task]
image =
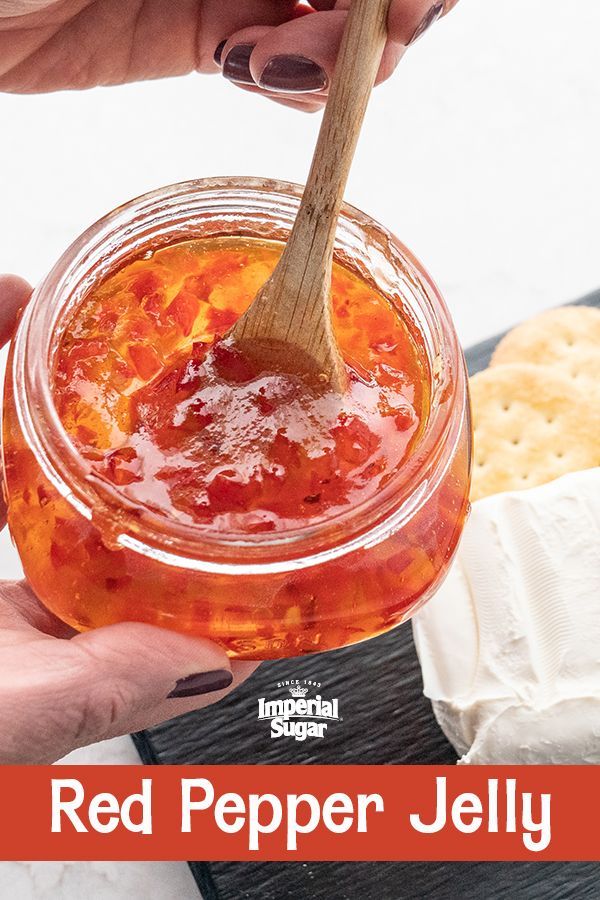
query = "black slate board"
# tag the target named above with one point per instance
(386, 720)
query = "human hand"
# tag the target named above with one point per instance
(279, 48)
(60, 690)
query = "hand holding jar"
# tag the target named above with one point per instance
(61, 689)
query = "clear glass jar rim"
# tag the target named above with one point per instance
(188, 546)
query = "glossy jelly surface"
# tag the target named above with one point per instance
(182, 423)
(168, 416)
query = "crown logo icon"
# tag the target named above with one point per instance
(298, 691)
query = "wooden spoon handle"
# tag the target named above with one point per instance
(355, 72)
(289, 323)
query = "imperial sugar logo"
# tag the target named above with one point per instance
(296, 714)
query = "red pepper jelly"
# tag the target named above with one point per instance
(176, 416)
(152, 475)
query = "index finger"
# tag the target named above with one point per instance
(14, 294)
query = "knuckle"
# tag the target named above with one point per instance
(101, 712)
(106, 697)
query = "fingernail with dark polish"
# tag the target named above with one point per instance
(218, 52)
(428, 19)
(292, 75)
(237, 64)
(202, 683)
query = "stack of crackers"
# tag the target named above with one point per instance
(536, 409)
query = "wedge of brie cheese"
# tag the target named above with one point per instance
(510, 645)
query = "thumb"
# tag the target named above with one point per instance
(132, 676)
(58, 694)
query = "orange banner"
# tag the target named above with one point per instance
(305, 813)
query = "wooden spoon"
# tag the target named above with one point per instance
(288, 326)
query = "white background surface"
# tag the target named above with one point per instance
(482, 155)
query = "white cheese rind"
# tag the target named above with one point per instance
(510, 645)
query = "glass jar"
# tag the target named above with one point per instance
(94, 558)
